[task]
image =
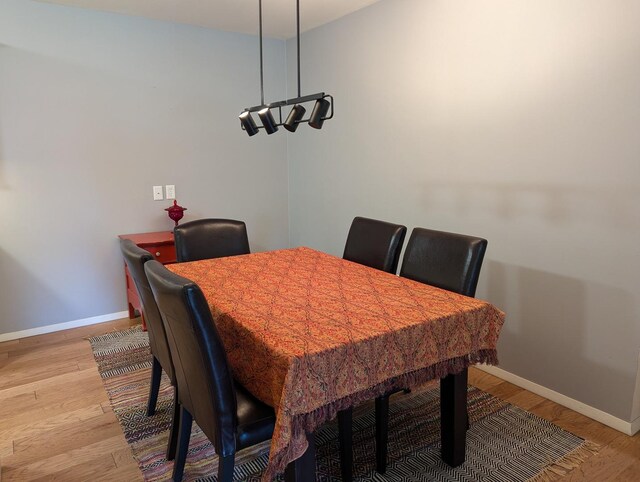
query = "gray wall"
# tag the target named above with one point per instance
(513, 120)
(96, 108)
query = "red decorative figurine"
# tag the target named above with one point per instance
(176, 212)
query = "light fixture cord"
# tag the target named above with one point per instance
(298, 35)
(261, 68)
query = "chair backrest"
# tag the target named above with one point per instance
(374, 243)
(135, 257)
(446, 260)
(210, 238)
(205, 382)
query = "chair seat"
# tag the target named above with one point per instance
(256, 420)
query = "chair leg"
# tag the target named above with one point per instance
(225, 468)
(345, 435)
(156, 374)
(175, 426)
(183, 444)
(382, 432)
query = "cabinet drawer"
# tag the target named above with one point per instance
(165, 253)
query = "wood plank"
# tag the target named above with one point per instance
(123, 457)
(70, 348)
(482, 380)
(85, 364)
(631, 473)
(6, 448)
(40, 340)
(504, 390)
(85, 332)
(34, 427)
(14, 469)
(6, 346)
(78, 378)
(10, 405)
(53, 403)
(59, 337)
(19, 364)
(11, 378)
(63, 438)
(106, 407)
(89, 387)
(79, 472)
(525, 399)
(129, 473)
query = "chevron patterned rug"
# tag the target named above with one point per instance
(504, 443)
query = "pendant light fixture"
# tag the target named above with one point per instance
(323, 102)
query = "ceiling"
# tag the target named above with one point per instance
(279, 18)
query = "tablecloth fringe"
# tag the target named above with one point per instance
(309, 422)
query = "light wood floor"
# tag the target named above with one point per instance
(56, 422)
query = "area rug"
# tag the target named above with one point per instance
(504, 443)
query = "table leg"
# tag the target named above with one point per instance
(303, 469)
(453, 413)
(345, 436)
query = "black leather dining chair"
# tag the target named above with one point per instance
(374, 243)
(210, 238)
(446, 260)
(226, 412)
(135, 258)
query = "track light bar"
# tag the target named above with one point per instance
(323, 105)
(323, 102)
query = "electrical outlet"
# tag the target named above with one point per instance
(157, 193)
(171, 191)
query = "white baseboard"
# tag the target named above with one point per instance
(628, 428)
(63, 326)
(635, 426)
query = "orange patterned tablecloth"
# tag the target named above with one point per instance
(311, 334)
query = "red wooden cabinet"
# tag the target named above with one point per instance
(162, 246)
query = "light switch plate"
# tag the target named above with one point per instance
(157, 193)
(170, 191)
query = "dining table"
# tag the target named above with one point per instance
(311, 334)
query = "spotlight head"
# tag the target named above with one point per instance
(248, 123)
(320, 110)
(293, 119)
(268, 121)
